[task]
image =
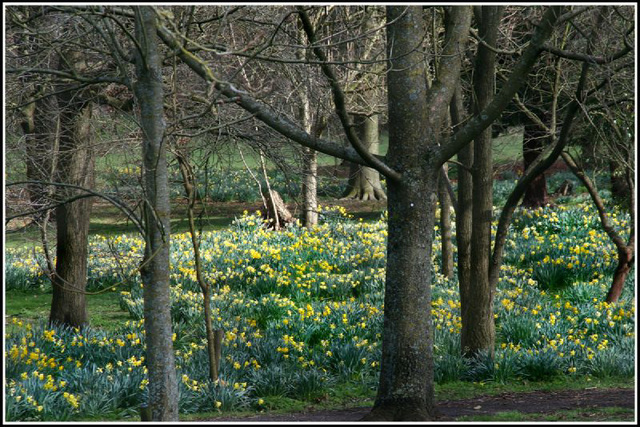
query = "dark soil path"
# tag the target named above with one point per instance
(538, 402)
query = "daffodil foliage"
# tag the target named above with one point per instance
(301, 312)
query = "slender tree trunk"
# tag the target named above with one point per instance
(163, 386)
(626, 250)
(364, 182)
(464, 214)
(310, 187)
(478, 328)
(310, 169)
(625, 263)
(445, 225)
(188, 182)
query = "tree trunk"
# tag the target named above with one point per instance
(310, 168)
(310, 187)
(364, 182)
(625, 263)
(163, 386)
(189, 183)
(464, 217)
(76, 163)
(534, 141)
(276, 213)
(478, 328)
(41, 129)
(445, 225)
(405, 391)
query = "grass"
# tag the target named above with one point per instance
(104, 309)
(466, 390)
(108, 220)
(585, 414)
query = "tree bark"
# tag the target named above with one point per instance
(310, 187)
(625, 263)
(406, 390)
(310, 168)
(364, 182)
(533, 143)
(163, 386)
(40, 126)
(76, 163)
(478, 328)
(445, 225)
(464, 214)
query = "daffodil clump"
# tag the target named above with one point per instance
(301, 312)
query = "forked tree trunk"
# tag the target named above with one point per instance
(364, 182)
(406, 388)
(154, 271)
(478, 327)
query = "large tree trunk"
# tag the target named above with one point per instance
(364, 183)
(163, 386)
(76, 166)
(406, 389)
(478, 328)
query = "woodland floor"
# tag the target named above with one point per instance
(544, 403)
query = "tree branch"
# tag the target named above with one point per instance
(91, 193)
(488, 115)
(340, 104)
(539, 165)
(276, 121)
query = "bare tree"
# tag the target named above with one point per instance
(160, 359)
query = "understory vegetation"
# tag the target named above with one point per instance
(302, 312)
